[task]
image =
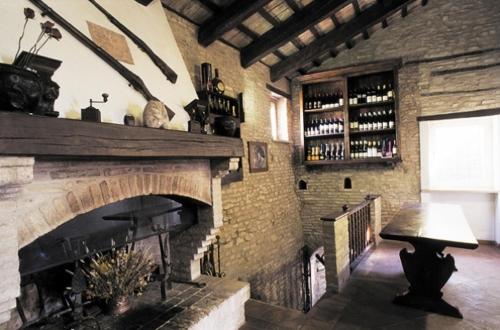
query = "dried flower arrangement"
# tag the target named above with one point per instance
(47, 33)
(118, 274)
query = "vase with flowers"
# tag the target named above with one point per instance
(26, 84)
(116, 276)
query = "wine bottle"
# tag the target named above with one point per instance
(217, 83)
(379, 119)
(385, 122)
(384, 93)
(394, 148)
(370, 121)
(341, 125)
(341, 98)
(390, 92)
(390, 114)
(379, 93)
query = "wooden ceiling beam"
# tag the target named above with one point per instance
(289, 29)
(275, 22)
(227, 19)
(293, 5)
(213, 7)
(336, 37)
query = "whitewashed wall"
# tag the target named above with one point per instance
(83, 75)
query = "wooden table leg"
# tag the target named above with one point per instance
(427, 270)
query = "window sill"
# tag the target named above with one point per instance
(282, 141)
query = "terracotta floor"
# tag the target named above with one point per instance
(366, 301)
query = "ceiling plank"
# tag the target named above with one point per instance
(227, 19)
(289, 29)
(365, 20)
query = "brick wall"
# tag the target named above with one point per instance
(262, 231)
(450, 52)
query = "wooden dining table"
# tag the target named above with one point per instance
(430, 228)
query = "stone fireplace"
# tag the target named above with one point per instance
(53, 170)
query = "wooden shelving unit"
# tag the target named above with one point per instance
(346, 81)
(375, 160)
(220, 105)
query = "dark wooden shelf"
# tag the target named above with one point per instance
(25, 135)
(373, 131)
(340, 108)
(337, 135)
(376, 160)
(373, 104)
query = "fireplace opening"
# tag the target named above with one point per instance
(50, 267)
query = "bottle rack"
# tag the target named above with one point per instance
(350, 118)
(220, 105)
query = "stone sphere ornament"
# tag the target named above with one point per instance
(155, 115)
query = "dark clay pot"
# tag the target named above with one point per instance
(20, 89)
(26, 91)
(225, 126)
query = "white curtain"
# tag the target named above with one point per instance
(461, 154)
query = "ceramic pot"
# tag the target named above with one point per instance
(20, 89)
(118, 306)
(225, 126)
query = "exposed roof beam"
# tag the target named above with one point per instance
(365, 20)
(275, 22)
(289, 29)
(253, 35)
(292, 4)
(210, 5)
(227, 19)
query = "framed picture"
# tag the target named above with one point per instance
(257, 156)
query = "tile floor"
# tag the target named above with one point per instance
(366, 301)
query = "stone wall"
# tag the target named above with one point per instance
(450, 52)
(262, 232)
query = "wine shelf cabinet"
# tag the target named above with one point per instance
(223, 106)
(357, 110)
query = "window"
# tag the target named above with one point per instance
(279, 117)
(461, 154)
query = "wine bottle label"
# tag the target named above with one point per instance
(384, 97)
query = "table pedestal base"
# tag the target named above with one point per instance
(427, 270)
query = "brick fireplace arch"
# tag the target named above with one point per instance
(38, 196)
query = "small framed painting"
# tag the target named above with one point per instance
(257, 156)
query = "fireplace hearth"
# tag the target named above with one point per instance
(55, 192)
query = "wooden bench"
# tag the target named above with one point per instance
(430, 228)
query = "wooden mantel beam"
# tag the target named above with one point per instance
(25, 135)
(227, 19)
(296, 24)
(367, 18)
